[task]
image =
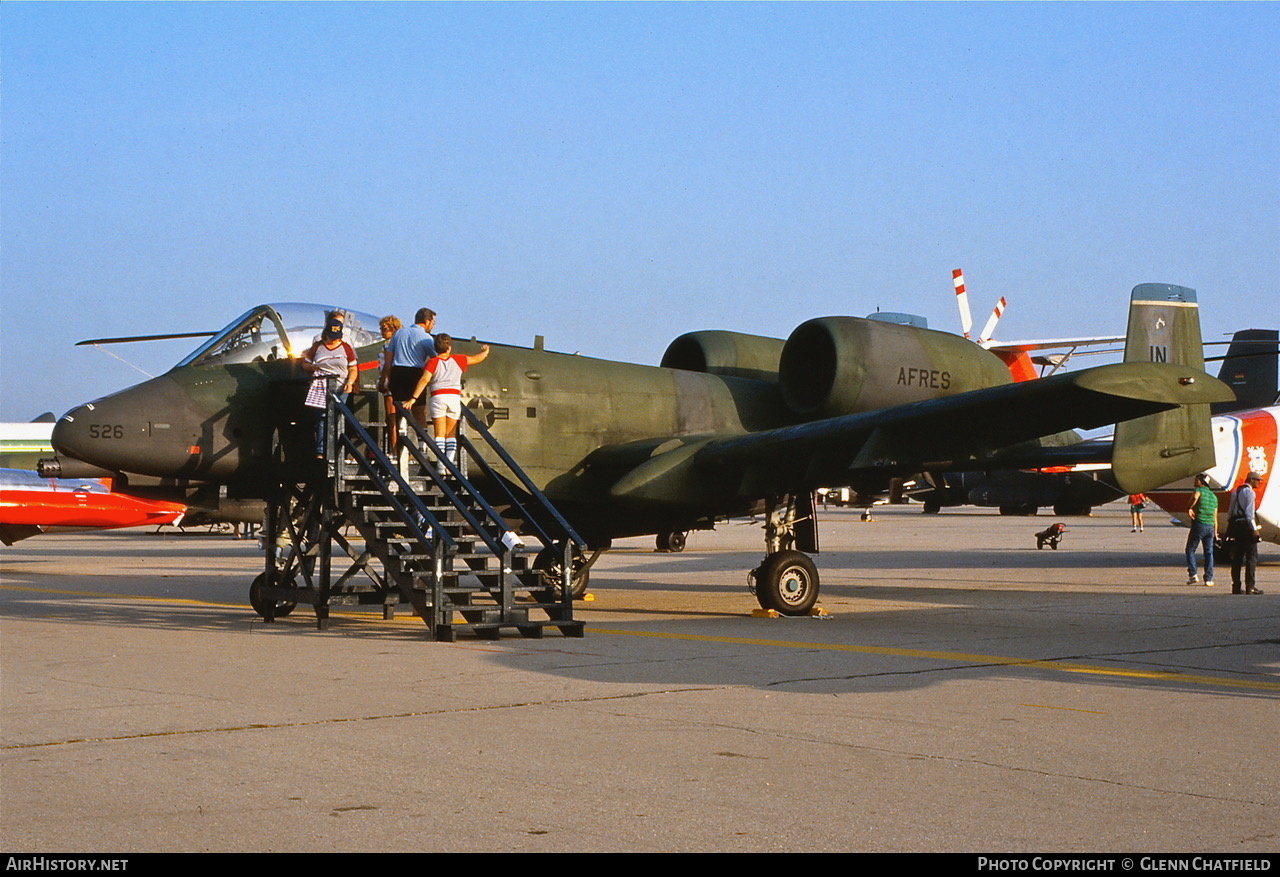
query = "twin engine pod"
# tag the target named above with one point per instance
(730, 354)
(844, 365)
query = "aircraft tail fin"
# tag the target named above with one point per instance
(1250, 368)
(1164, 326)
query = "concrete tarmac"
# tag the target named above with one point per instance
(969, 693)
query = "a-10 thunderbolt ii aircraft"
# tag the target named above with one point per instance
(730, 424)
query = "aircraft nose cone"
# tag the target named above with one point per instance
(136, 430)
(92, 433)
(68, 436)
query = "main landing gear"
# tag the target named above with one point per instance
(671, 540)
(786, 581)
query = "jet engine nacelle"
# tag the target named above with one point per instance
(732, 354)
(844, 365)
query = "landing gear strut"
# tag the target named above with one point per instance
(786, 581)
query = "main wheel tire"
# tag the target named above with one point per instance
(672, 540)
(1066, 510)
(549, 563)
(931, 508)
(787, 581)
(260, 604)
(1019, 510)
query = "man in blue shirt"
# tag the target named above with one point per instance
(410, 348)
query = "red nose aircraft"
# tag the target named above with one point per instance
(30, 504)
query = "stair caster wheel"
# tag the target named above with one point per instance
(549, 563)
(268, 610)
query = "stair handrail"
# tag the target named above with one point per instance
(385, 463)
(545, 504)
(500, 484)
(499, 548)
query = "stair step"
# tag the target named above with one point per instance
(479, 591)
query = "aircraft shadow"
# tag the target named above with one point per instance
(966, 634)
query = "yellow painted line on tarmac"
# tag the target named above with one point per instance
(403, 617)
(960, 657)
(102, 595)
(963, 657)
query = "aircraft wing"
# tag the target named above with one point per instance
(938, 433)
(1050, 344)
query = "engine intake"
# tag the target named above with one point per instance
(844, 365)
(733, 354)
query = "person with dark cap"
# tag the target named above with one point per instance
(1204, 526)
(1242, 530)
(334, 368)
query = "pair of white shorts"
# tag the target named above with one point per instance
(446, 405)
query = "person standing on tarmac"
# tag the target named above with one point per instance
(1242, 530)
(1137, 502)
(1204, 526)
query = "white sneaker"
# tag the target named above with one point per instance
(1193, 580)
(1208, 583)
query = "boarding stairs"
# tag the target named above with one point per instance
(416, 529)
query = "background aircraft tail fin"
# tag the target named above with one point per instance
(1250, 368)
(1164, 326)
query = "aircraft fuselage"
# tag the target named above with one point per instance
(576, 424)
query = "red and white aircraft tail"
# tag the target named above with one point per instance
(1017, 355)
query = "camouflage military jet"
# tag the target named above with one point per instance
(729, 424)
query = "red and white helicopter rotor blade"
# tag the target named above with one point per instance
(962, 301)
(990, 329)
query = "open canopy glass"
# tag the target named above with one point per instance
(278, 331)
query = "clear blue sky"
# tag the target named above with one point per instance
(612, 175)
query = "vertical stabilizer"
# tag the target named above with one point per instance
(1250, 370)
(1164, 326)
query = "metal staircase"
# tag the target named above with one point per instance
(414, 531)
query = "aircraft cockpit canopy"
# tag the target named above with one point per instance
(279, 331)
